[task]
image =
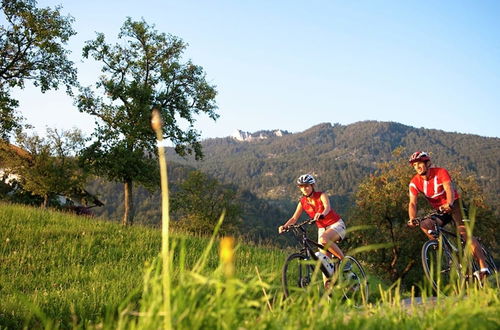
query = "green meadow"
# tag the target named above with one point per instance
(63, 271)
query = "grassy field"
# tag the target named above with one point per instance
(63, 271)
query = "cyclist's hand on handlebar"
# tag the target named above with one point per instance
(282, 229)
(412, 223)
(446, 208)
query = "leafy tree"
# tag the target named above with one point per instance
(382, 201)
(200, 202)
(45, 166)
(143, 72)
(31, 48)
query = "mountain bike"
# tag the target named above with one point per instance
(444, 261)
(306, 268)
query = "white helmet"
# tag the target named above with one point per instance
(306, 179)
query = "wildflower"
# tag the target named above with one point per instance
(227, 255)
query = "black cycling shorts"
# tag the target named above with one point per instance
(446, 218)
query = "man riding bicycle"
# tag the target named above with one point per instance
(436, 185)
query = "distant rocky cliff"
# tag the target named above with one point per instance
(260, 135)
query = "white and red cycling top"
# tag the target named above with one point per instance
(432, 188)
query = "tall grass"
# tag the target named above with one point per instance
(59, 270)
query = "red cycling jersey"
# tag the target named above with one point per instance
(432, 188)
(313, 205)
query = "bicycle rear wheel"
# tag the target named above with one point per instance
(352, 281)
(298, 274)
(438, 265)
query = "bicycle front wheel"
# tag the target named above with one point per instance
(298, 274)
(352, 281)
(437, 264)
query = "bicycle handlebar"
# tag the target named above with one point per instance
(299, 225)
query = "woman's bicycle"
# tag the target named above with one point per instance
(304, 269)
(444, 261)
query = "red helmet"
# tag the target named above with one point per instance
(419, 156)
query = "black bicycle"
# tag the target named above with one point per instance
(306, 269)
(444, 261)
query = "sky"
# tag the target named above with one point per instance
(293, 64)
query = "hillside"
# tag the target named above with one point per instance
(263, 169)
(65, 271)
(340, 156)
(62, 268)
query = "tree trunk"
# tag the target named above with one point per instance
(45, 201)
(128, 215)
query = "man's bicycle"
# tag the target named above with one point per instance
(304, 269)
(444, 261)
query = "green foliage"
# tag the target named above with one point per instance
(382, 203)
(32, 49)
(143, 72)
(47, 166)
(258, 220)
(201, 200)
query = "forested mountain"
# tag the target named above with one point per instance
(340, 156)
(263, 170)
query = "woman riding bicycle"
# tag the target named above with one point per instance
(435, 183)
(331, 228)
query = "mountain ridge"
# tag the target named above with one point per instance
(341, 156)
(263, 171)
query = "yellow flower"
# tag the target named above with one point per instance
(227, 255)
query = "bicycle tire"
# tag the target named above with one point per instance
(489, 260)
(296, 274)
(437, 264)
(353, 281)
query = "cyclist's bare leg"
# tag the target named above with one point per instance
(477, 252)
(328, 239)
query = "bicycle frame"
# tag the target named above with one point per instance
(307, 244)
(443, 233)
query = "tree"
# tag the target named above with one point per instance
(31, 48)
(200, 202)
(143, 72)
(46, 167)
(382, 201)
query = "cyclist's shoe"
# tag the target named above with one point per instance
(482, 273)
(347, 267)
